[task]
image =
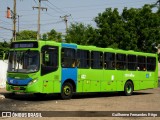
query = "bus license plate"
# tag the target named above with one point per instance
(16, 88)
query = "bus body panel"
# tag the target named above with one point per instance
(89, 80)
(109, 81)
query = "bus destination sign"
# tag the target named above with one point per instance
(24, 45)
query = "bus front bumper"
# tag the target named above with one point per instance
(33, 88)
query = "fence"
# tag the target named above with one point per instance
(3, 70)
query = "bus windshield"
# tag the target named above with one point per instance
(23, 61)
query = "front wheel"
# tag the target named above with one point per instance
(67, 91)
(128, 88)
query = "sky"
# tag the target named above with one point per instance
(81, 11)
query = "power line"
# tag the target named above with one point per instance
(52, 8)
(44, 23)
(6, 28)
(5, 22)
(52, 23)
(62, 11)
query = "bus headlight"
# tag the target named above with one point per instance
(33, 81)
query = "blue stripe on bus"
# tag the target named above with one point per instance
(65, 45)
(69, 73)
(14, 81)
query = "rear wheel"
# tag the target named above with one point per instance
(128, 88)
(67, 91)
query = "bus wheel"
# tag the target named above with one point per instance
(128, 88)
(67, 91)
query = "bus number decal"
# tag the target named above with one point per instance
(83, 76)
(129, 75)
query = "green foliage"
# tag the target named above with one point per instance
(52, 35)
(4, 46)
(134, 29)
(26, 35)
(81, 34)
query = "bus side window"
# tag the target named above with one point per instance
(96, 60)
(83, 58)
(132, 62)
(120, 61)
(151, 63)
(68, 58)
(109, 60)
(141, 63)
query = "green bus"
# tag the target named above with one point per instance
(44, 67)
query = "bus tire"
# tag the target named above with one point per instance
(128, 88)
(67, 91)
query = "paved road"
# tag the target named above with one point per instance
(145, 100)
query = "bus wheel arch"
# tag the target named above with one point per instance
(67, 89)
(128, 87)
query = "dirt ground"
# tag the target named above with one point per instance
(145, 100)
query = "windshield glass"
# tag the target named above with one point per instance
(23, 61)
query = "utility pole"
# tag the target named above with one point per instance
(12, 15)
(14, 21)
(65, 20)
(39, 16)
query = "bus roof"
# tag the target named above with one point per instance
(85, 47)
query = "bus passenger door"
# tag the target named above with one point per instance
(68, 63)
(50, 72)
(110, 74)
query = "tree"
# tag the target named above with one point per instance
(27, 35)
(52, 35)
(134, 29)
(145, 25)
(4, 46)
(81, 34)
(111, 29)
